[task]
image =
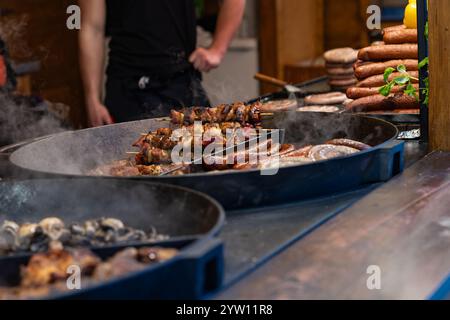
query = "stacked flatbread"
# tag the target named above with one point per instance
(339, 64)
(325, 102)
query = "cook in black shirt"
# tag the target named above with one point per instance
(154, 64)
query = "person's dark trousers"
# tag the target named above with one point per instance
(130, 99)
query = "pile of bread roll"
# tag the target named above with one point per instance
(339, 65)
(324, 102)
(399, 47)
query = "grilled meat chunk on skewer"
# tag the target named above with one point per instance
(156, 149)
(156, 140)
(237, 112)
(157, 170)
(150, 155)
(162, 138)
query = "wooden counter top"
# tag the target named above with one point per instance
(402, 227)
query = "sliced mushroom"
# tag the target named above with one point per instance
(53, 227)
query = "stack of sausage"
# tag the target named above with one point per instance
(399, 47)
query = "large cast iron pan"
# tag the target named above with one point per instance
(74, 153)
(197, 271)
(190, 218)
(177, 212)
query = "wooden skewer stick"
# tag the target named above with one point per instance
(133, 152)
(267, 79)
(267, 114)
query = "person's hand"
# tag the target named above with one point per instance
(204, 60)
(98, 115)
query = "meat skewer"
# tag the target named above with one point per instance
(162, 138)
(238, 112)
(156, 148)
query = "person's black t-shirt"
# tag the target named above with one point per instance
(150, 37)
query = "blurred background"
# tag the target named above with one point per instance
(281, 38)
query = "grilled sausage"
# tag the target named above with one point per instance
(400, 36)
(156, 155)
(379, 102)
(394, 28)
(361, 63)
(303, 152)
(378, 81)
(349, 143)
(286, 149)
(356, 93)
(389, 52)
(328, 151)
(397, 111)
(368, 70)
(378, 43)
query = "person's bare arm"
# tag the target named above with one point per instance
(92, 52)
(230, 18)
